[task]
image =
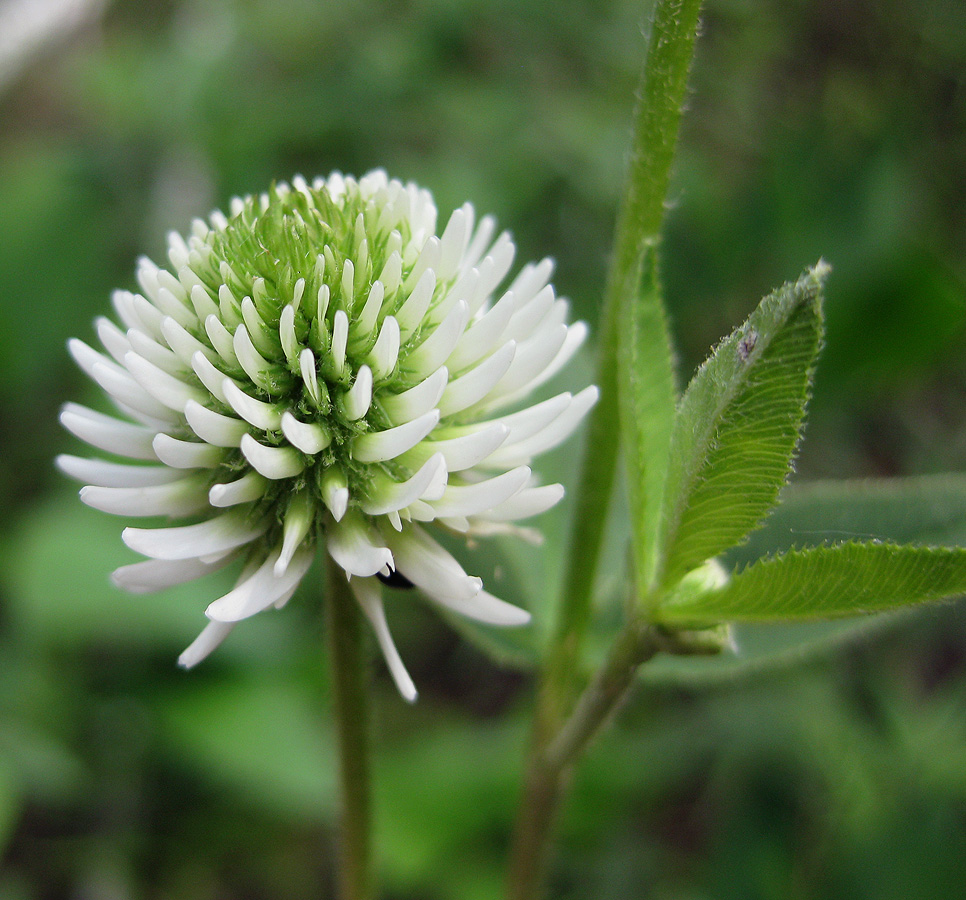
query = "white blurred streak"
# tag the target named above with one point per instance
(31, 28)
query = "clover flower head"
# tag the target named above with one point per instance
(319, 369)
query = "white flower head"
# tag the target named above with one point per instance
(319, 368)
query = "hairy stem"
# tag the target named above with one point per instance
(670, 48)
(347, 660)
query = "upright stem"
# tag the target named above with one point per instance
(670, 47)
(347, 661)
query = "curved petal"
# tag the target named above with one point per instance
(369, 596)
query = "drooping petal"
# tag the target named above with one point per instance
(209, 640)
(369, 596)
(261, 589)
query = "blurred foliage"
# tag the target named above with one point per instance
(832, 128)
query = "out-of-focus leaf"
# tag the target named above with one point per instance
(927, 509)
(10, 802)
(59, 590)
(265, 739)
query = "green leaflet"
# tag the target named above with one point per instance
(829, 581)
(738, 425)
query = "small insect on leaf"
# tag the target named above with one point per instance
(747, 344)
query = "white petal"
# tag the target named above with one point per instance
(356, 401)
(472, 499)
(179, 498)
(378, 446)
(156, 353)
(113, 339)
(385, 352)
(427, 565)
(108, 474)
(182, 343)
(172, 306)
(221, 340)
(528, 318)
(493, 270)
(482, 336)
(427, 260)
(210, 639)
(158, 574)
(369, 597)
(211, 377)
(484, 607)
(386, 496)
(261, 336)
(309, 437)
(411, 313)
(214, 428)
(187, 454)
(107, 433)
(204, 539)
(262, 589)
(165, 388)
(369, 315)
(555, 433)
(335, 492)
(340, 335)
(532, 279)
(249, 487)
(299, 518)
(147, 316)
(266, 416)
(309, 377)
(124, 390)
(286, 332)
(528, 502)
(465, 451)
(533, 356)
(576, 334)
(481, 238)
(272, 462)
(255, 365)
(472, 387)
(433, 351)
(355, 547)
(202, 302)
(529, 421)
(417, 400)
(453, 242)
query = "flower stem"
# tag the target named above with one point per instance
(348, 667)
(670, 49)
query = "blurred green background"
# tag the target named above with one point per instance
(833, 129)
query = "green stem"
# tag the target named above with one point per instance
(347, 660)
(670, 48)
